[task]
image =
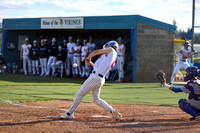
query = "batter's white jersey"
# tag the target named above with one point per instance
(105, 63)
(77, 48)
(70, 46)
(187, 52)
(120, 49)
(91, 46)
(26, 50)
(84, 50)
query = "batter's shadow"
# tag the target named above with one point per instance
(177, 123)
(28, 122)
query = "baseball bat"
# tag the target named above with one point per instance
(189, 34)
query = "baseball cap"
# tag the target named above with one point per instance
(0, 53)
(187, 43)
(119, 38)
(35, 41)
(64, 40)
(84, 40)
(53, 39)
(60, 47)
(78, 40)
(45, 40)
(70, 37)
(26, 39)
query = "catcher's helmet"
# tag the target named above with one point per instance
(112, 43)
(187, 43)
(193, 72)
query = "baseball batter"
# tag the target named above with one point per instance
(120, 59)
(77, 58)
(70, 55)
(184, 54)
(192, 105)
(24, 54)
(84, 54)
(96, 79)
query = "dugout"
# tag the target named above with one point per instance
(149, 43)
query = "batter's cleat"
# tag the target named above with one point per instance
(68, 116)
(197, 118)
(116, 114)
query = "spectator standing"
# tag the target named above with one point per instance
(92, 46)
(34, 55)
(77, 58)
(70, 45)
(84, 54)
(64, 49)
(43, 55)
(120, 59)
(53, 51)
(24, 55)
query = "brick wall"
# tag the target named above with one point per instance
(154, 52)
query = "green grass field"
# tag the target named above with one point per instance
(20, 88)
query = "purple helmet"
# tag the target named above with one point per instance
(193, 72)
(112, 43)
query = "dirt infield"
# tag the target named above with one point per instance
(44, 117)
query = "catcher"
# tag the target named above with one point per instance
(192, 105)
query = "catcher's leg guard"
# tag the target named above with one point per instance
(187, 108)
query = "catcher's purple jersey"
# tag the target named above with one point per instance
(192, 87)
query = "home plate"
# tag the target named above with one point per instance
(101, 116)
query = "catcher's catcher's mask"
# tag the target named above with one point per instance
(193, 72)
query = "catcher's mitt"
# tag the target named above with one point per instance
(161, 77)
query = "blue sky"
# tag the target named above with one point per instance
(162, 10)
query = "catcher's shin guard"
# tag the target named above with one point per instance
(187, 108)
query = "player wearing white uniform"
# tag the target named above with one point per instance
(34, 55)
(70, 45)
(192, 105)
(96, 79)
(120, 59)
(77, 58)
(92, 47)
(24, 54)
(184, 54)
(84, 54)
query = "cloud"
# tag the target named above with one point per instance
(162, 10)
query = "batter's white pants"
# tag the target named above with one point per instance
(179, 65)
(58, 64)
(35, 65)
(93, 84)
(50, 61)
(43, 64)
(70, 64)
(120, 66)
(25, 60)
(77, 60)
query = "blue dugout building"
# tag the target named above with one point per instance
(149, 43)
